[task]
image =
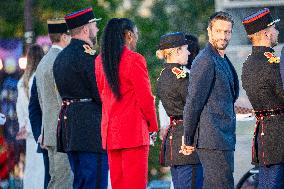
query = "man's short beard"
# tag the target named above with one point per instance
(92, 37)
(93, 40)
(274, 43)
(219, 48)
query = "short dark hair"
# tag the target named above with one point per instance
(220, 16)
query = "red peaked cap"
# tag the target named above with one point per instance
(258, 21)
(80, 18)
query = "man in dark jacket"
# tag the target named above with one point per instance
(35, 116)
(78, 130)
(262, 82)
(209, 116)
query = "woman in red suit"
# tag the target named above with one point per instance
(128, 108)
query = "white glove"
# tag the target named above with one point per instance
(153, 138)
(2, 119)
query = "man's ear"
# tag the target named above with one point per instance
(209, 30)
(264, 34)
(85, 29)
(178, 50)
(64, 37)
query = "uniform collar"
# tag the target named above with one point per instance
(261, 49)
(172, 65)
(78, 41)
(57, 47)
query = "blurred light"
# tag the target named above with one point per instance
(23, 63)
(1, 64)
(10, 65)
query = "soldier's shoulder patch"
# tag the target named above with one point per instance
(89, 50)
(180, 73)
(271, 58)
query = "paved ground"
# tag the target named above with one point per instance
(243, 148)
(244, 134)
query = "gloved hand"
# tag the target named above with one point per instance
(153, 138)
(2, 119)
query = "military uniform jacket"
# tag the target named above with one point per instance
(74, 76)
(172, 90)
(262, 82)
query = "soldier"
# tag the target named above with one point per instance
(60, 172)
(172, 90)
(78, 130)
(262, 82)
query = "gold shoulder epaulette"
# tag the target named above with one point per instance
(180, 73)
(272, 59)
(89, 50)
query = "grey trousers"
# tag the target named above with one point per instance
(61, 176)
(218, 168)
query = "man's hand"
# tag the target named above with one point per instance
(2, 119)
(163, 131)
(186, 150)
(39, 141)
(22, 134)
(153, 138)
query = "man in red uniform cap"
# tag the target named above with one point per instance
(262, 82)
(78, 130)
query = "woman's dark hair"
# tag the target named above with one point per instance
(193, 48)
(113, 42)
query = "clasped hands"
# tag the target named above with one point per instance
(186, 150)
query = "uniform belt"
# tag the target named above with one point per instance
(268, 112)
(176, 120)
(77, 100)
(176, 117)
(64, 107)
(260, 126)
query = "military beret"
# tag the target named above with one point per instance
(80, 18)
(57, 25)
(258, 21)
(172, 40)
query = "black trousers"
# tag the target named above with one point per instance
(46, 168)
(218, 168)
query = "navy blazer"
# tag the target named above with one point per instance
(35, 113)
(209, 116)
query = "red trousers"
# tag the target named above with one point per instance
(129, 167)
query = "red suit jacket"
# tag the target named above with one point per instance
(127, 123)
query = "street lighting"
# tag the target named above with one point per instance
(1, 64)
(22, 63)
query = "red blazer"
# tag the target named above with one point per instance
(127, 123)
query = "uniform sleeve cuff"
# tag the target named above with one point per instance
(189, 141)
